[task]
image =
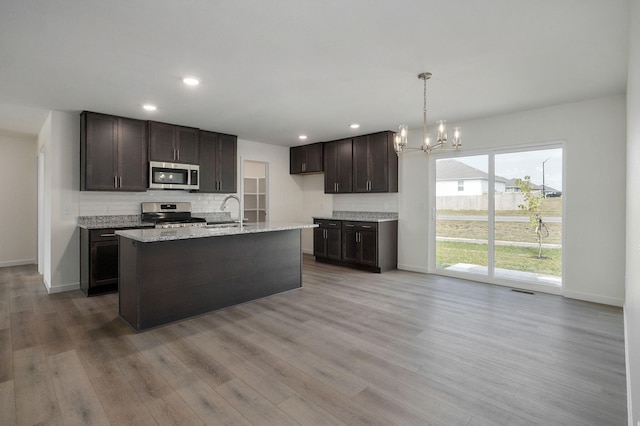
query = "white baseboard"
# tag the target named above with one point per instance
(18, 262)
(595, 298)
(63, 288)
(307, 251)
(412, 268)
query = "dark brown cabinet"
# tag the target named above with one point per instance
(360, 243)
(218, 162)
(338, 176)
(306, 159)
(372, 246)
(113, 153)
(98, 261)
(327, 239)
(375, 163)
(173, 144)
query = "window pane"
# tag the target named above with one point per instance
(528, 216)
(462, 215)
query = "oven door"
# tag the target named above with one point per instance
(171, 175)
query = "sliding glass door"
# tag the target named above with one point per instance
(462, 214)
(499, 216)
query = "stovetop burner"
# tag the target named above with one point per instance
(170, 215)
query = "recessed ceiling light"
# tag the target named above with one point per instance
(355, 126)
(149, 107)
(191, 81)
(302, 137)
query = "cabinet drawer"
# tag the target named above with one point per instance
(360, 226)
(327, 223)
(107, 234)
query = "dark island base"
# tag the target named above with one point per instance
(167, 281)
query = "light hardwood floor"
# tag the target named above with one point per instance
(350, 347)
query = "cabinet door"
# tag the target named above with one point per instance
(378, 162)
(186, 145)
(337, 166)
(132, 155)
(99, 136)
(227, 163)
(350, 244)
(218, 163)
(368, 250)
(334, 244)
(361, 164)
(162, 142)
(297, 158)
(319, 242)
(315, 158)
(208, 147)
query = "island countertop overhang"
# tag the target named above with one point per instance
(155, 235)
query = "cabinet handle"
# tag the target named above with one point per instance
(107, 235)
(178, 152)
(332, 224)
(349, 226)
(357, 237)
(366, 226)
(304, 167)
(120, 179)
(324, 232)
(115, 181)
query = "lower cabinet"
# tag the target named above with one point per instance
(98, 261)
(327, 239)
(360, 243)
(367, 245)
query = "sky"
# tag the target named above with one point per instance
(514, 165)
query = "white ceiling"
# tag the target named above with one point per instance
(273, 69)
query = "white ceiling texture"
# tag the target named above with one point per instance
(274, 69)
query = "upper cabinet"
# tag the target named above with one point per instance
(113, 153)
(338, 177)
(362, 164)
(218, 162)
(173, 144)
(306, 159)
(375, 163)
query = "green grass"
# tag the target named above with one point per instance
(504, 231)
(506, 257)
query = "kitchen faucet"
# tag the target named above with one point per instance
(224, 205)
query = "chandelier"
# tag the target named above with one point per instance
(400, 140)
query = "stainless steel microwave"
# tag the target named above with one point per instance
(173, 176)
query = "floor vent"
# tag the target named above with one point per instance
(517, 290)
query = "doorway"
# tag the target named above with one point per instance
(255, 191)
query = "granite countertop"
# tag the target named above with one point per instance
(113, 221)
(154, 235)
(134, 220)
(360, 216)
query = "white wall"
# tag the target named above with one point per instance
(285, 193)
(59, 139)
(594, 190)
(632, 296)
(18, 215)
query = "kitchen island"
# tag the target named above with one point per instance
(166, 275)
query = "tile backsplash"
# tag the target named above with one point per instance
(384, 202)
(120, 203)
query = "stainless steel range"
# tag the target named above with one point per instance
(170, 215)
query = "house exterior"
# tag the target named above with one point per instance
(455, 178)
